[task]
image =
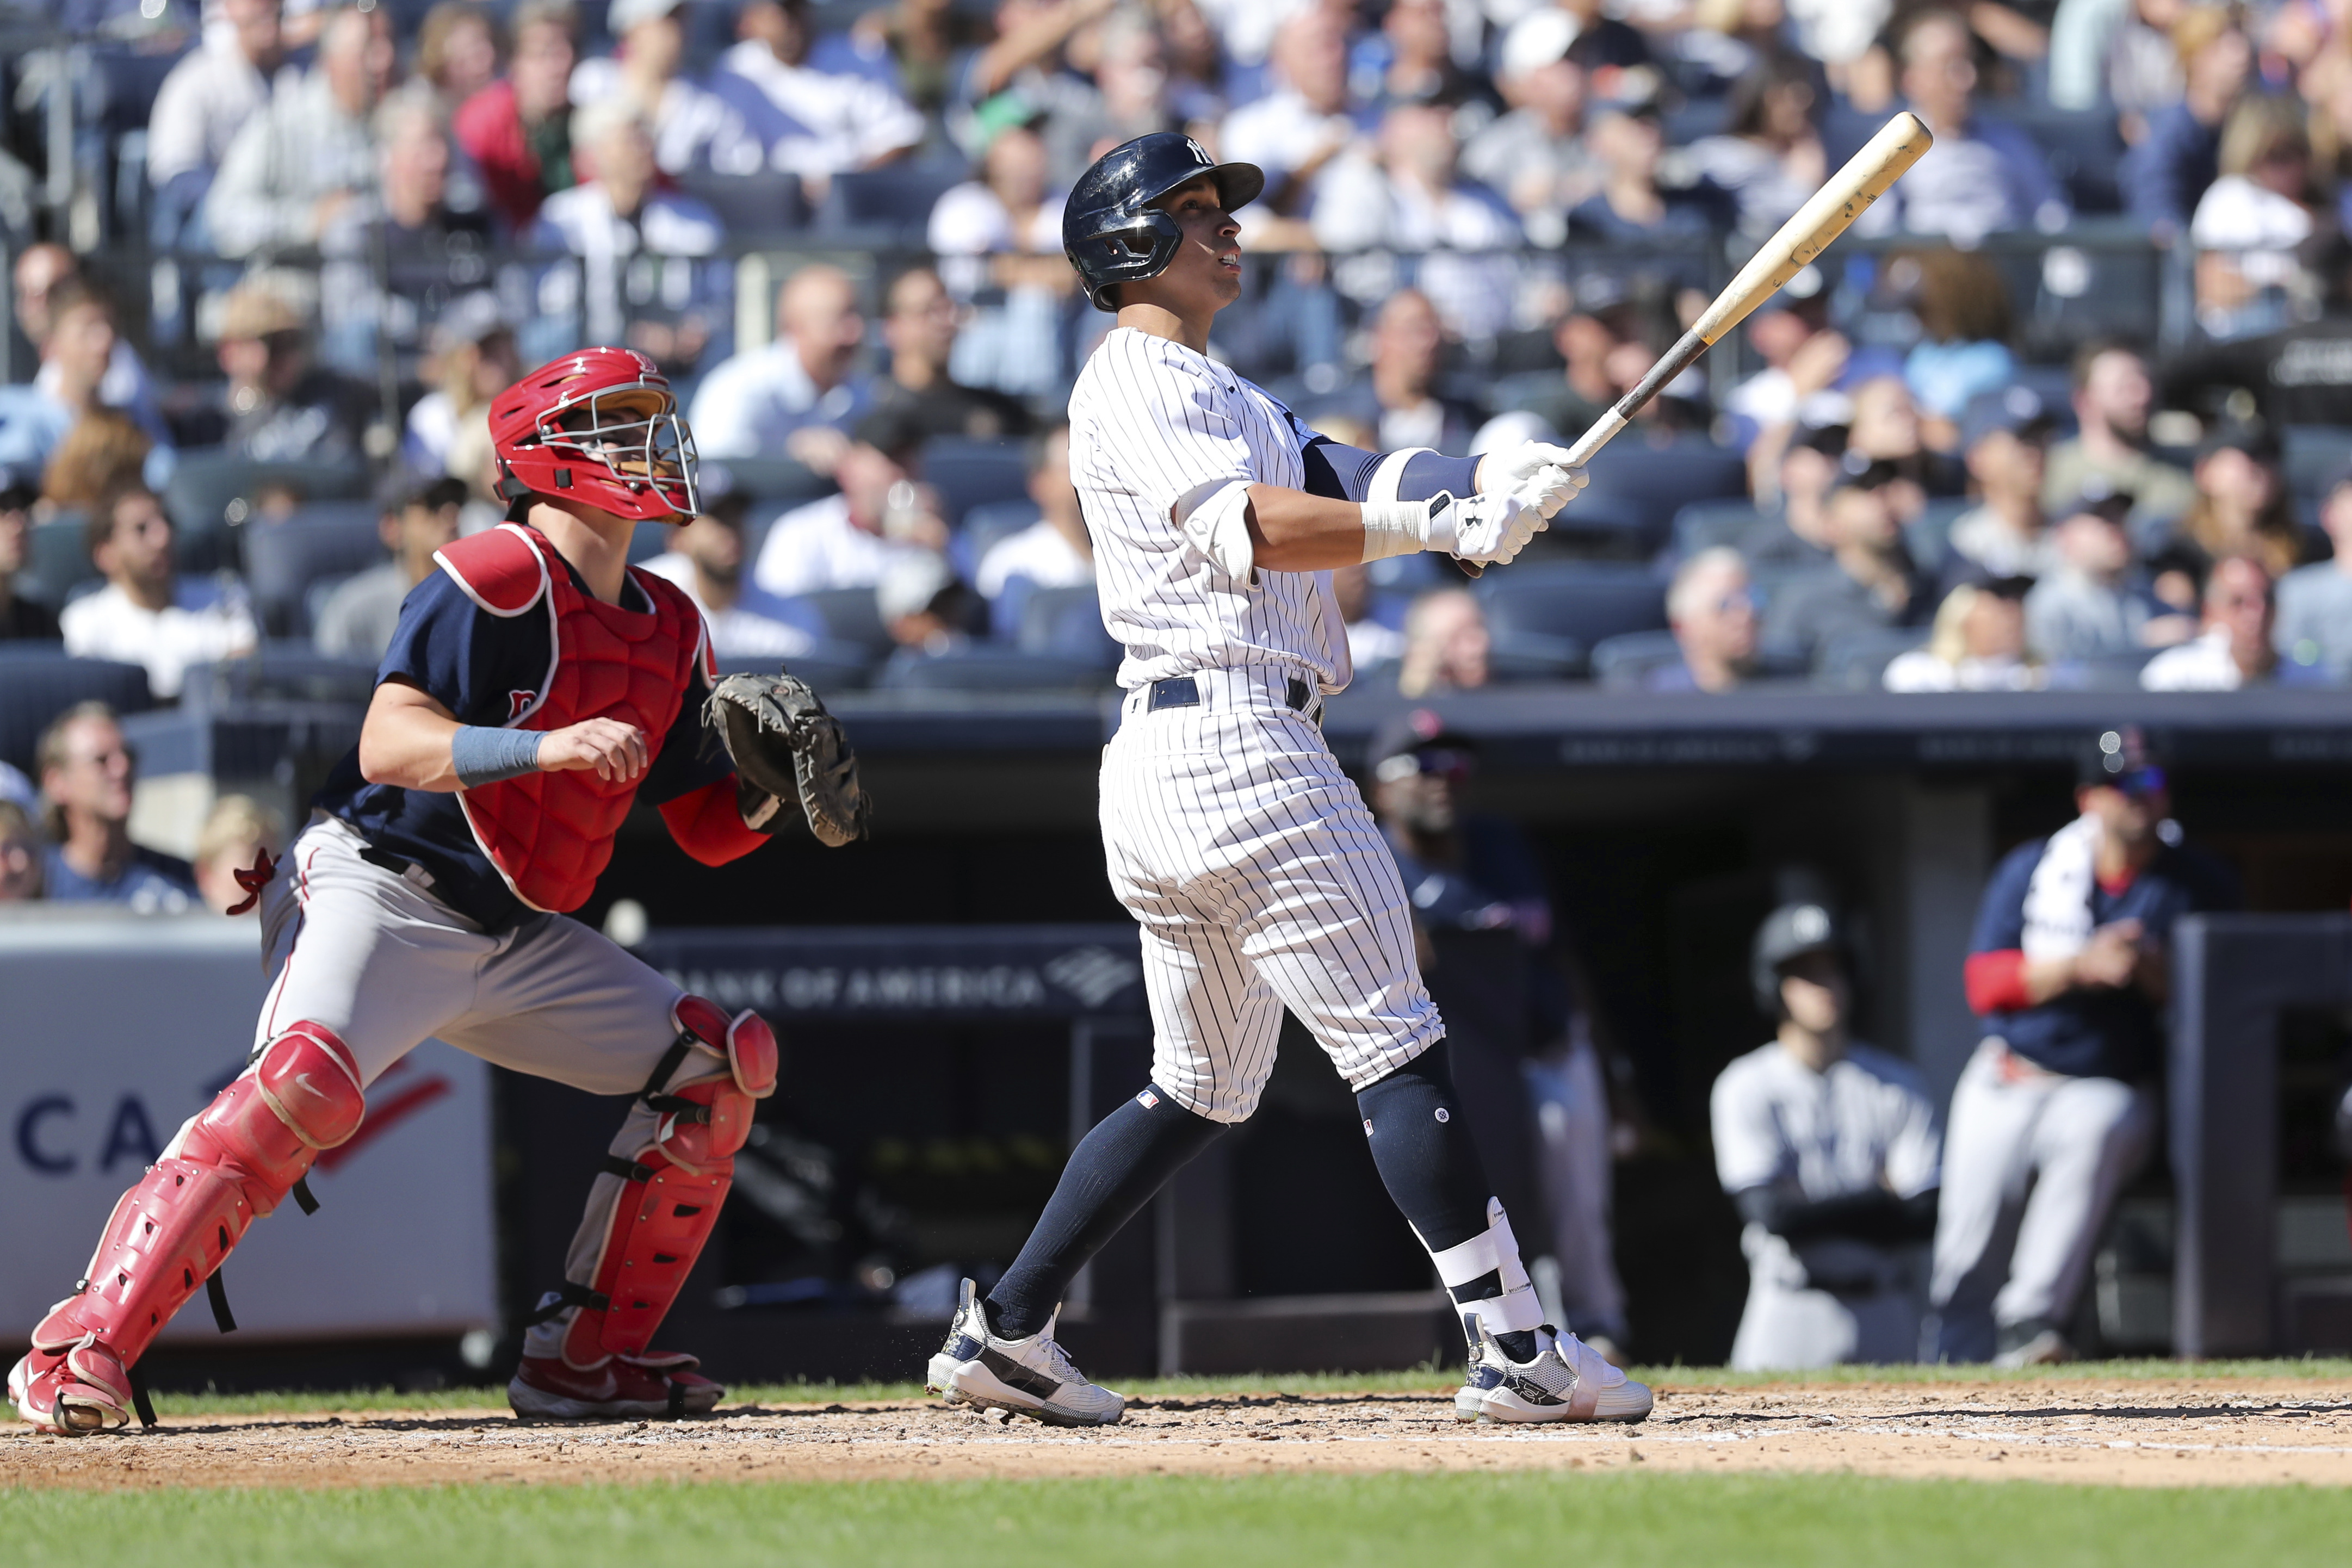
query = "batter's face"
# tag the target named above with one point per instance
(1205, 275)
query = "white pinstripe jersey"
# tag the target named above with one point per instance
(1155, 430)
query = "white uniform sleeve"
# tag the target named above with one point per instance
(1915, 1151)
(1182, 450)
(1748, 1150)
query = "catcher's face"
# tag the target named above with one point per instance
(637, 434)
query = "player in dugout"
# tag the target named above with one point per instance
(2055, 1113)
(1830, 1149)
(537, 685)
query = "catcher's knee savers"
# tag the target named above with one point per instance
(237, 1160)
(671, 1189)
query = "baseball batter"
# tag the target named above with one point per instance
(1232, 834)
(537, 685)
(1830, 1150)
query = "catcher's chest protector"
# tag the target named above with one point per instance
(550, 834)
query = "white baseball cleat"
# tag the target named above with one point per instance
(1030, 1376)
(1566, 1380)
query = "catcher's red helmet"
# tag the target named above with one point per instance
(599, 427)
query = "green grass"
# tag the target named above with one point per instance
(1286, 1519)
(1422, 1379)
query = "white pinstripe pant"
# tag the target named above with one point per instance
(1261, 883)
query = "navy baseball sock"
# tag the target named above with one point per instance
(1423, 1149)
(1112, 1174)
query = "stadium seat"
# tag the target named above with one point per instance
(1928, 535)
(329, 539)
(969, 473)
(2106, 673)
(1532, 656)
(1604, 527)
(1623, 662)
(828, 667)
(895, 200)
(280, 671)
(1857, 661)
(751, 207)
(2316, 456)
(851, 616)
(2083, 148)
(1066, 623)
(39, 681)
(985, 669)
(1708, 525)
(1659, 478)
(58, 555)
(212, 492)
(765, 479)
(1582, 602)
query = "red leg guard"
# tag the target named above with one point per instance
(237, 1160)
(660, 1223)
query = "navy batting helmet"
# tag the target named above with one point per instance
(1112, 233)
(1789, 932)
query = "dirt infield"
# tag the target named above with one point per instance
(2180, 1432)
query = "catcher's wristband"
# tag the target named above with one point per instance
(482, 754)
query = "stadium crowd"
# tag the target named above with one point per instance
(2072, 408)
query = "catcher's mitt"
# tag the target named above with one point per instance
(785, 745)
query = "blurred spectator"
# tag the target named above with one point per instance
(2242, 508)
(145, 615)
(1409, 198)
(518, 131)
(277, 406)
(1887, 428)
(1411, 60)
(1981, 175)
(2006, 447)
(87, 772)
(681, 120)
(1798, 536)
(237, 833)
(2163, 176)
(1005, 230)
(77, 366)
(1628, 141)
(1397, 399)
(1026, 75)
(2252, 219)
(1964, 331)
(1370, 641)
(1768, 157)
(2314, 602)
(1053, 551)
(21, 619)
(919, 323)
(924, 608)
(848, 540)
(797, 395)
(812, 124)
(706, 559)
(413, 207)
(1601, 325)
(473, 360)
(1976, 645)
(620, 212)
(103, 450)
(1803, 361)
(1829, 1151)
(913, 46)
(358, 617)
(1870, 582)
(125, 383)
(1535, 155)
(2096, 603)
(1446, 644)
(300, 163)
(2113, 395)
(1131, 92)
(2233, 647)
(456, 55)
(206, 100)
(20, 854)
(1711, 606)
(2116, 55)
(1294, 131)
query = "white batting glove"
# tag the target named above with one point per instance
(1485, 529)
(1537, 474)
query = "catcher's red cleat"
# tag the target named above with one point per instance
(654, 1386)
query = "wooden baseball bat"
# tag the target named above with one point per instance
(1865, 177)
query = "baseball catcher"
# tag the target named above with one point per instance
(537, 686)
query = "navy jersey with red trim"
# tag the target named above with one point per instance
(485, 669)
